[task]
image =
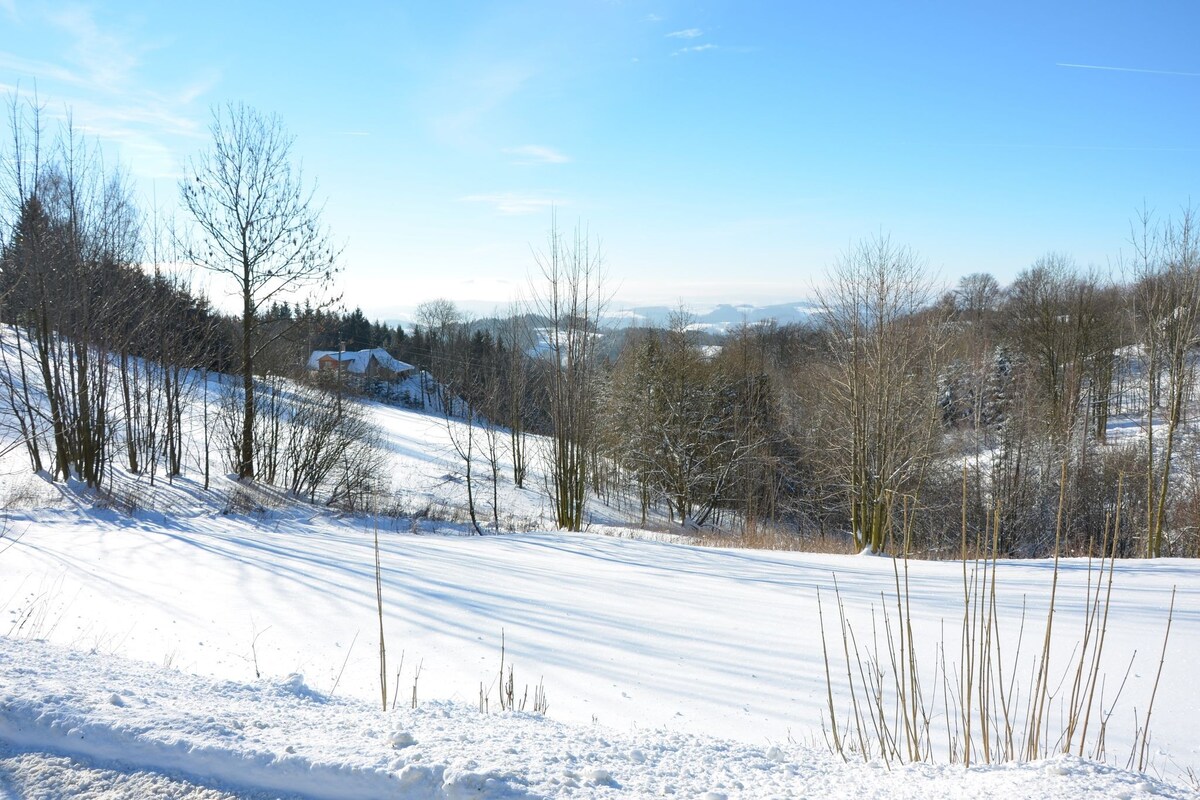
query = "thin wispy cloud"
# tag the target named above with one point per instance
(511, 204)
(142, 131)
(106, 58)
(469, 93)
(686, 33)
(199, 87)
(96, 77)
(148, 111)
(700, 48)
(1129, 69)
(42, 70)
(152, 115)
(93, 58)
(653, 18)
(536, 154)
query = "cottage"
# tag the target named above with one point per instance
(375, 363)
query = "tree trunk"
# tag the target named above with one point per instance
(246, 455)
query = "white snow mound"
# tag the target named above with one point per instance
(221, 739)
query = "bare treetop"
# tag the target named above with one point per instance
(258, 222)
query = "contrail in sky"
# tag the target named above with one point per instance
(1130, 69)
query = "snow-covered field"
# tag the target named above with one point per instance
(180, 651)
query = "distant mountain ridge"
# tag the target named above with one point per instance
(716, 319)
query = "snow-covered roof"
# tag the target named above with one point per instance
(357, 361)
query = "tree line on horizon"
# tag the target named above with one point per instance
(1055, 412)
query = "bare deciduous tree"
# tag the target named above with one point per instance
(977, 294)
(445, 329)
(259, 226)
(677, 423)
(515, 340)
(570, 297)
(74, 239)
(1167, 299)
(882, 382)
(1064, 324)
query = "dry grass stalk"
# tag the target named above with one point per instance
(889, 715)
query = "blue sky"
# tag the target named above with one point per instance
(720, 150)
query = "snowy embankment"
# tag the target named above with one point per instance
(124, 727)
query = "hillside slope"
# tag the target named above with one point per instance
(656, 645)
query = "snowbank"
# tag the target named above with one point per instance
(136, 726)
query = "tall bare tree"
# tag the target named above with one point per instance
(515, 340)
(569, 295)
(445, 327)
(1066, 324)
(258, 225)
(882, 382)
(1167, 300)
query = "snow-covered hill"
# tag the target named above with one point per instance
(167, 636)
(639, 644)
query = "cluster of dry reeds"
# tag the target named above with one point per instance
(989, 705)
(508, 694)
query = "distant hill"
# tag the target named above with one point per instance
(715, 319)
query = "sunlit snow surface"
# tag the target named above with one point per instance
(641, 646)
(647, 651)
(98, 724)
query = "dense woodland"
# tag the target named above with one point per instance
(1057, 409)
